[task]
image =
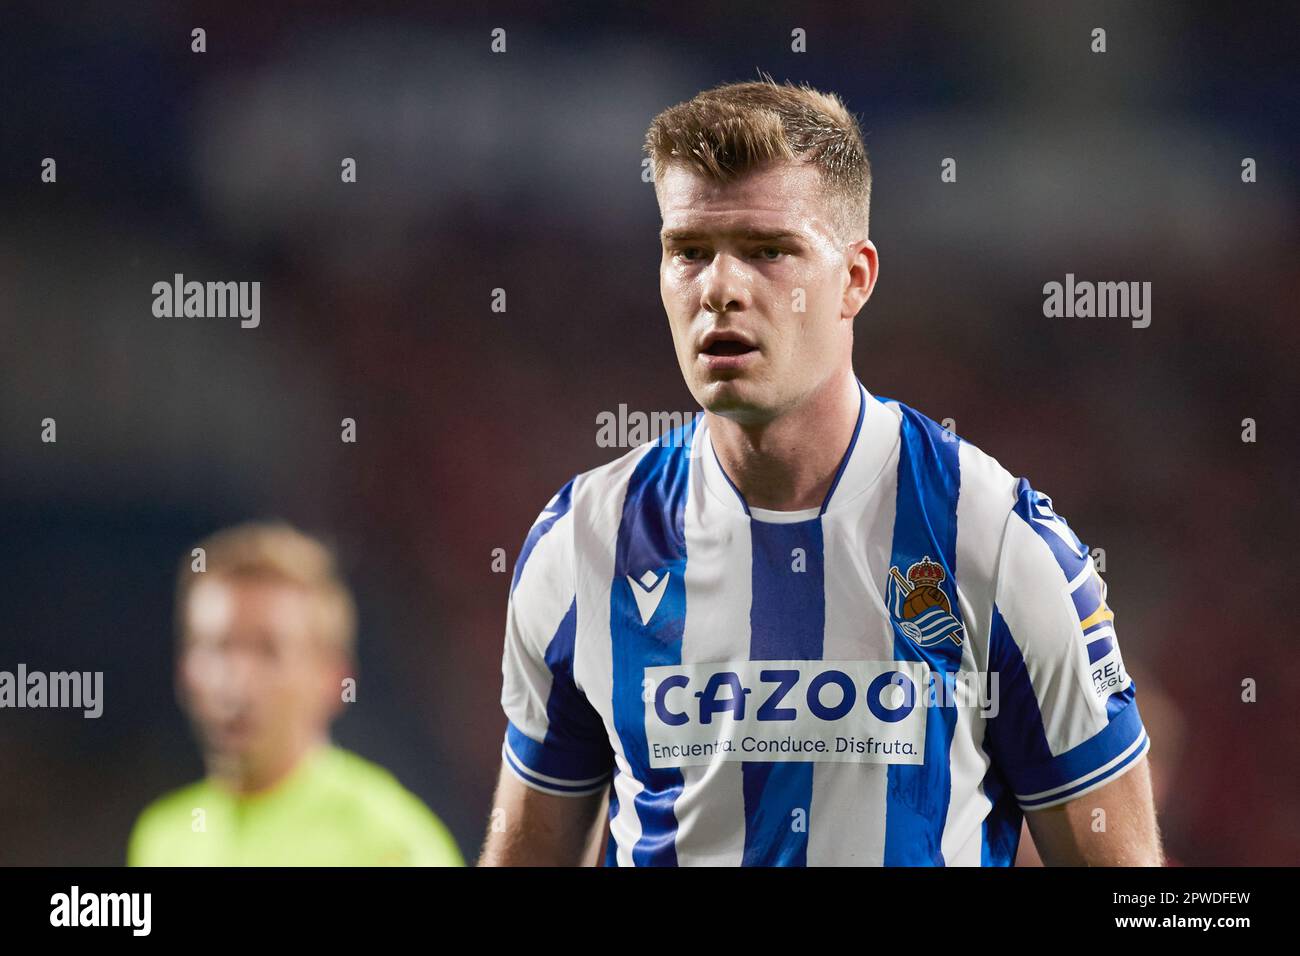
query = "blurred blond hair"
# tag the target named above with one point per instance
(276, 551)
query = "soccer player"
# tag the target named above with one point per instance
(266, 643)
(811, 627)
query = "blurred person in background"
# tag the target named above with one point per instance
(266, 656)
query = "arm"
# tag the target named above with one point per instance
(556, 756)
(1124, 833)
(598, 838)
(531, 828)
(1067, 734)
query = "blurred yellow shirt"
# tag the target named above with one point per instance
(334, 809)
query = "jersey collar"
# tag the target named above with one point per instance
(875, 437)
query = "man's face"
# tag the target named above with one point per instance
(759, 289)
(256, 681)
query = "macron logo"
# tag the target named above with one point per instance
(648, 592)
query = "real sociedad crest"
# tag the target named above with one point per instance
(919, 607)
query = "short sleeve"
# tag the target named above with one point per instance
(555, 740)
(1067, 719)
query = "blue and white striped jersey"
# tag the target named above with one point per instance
(891, 678)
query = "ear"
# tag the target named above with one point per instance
(862, 269)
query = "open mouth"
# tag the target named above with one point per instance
(728, 347)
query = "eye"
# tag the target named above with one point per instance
(775, 253)
(685, 253)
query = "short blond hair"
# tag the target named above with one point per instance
(733, 129)
(276, 551)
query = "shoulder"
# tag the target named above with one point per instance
(162, 818)
(351, 774)
(387, 812)
(178, 802)
(595, 498)
(1008, 531)
(980, 496)
(981, 483)
(604, 488)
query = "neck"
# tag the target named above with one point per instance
(789, 463)
(245, 776)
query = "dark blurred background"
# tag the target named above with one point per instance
(522, 171)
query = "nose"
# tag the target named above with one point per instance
(724, 288)
(231, 681)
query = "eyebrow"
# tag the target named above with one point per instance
(751, 235)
